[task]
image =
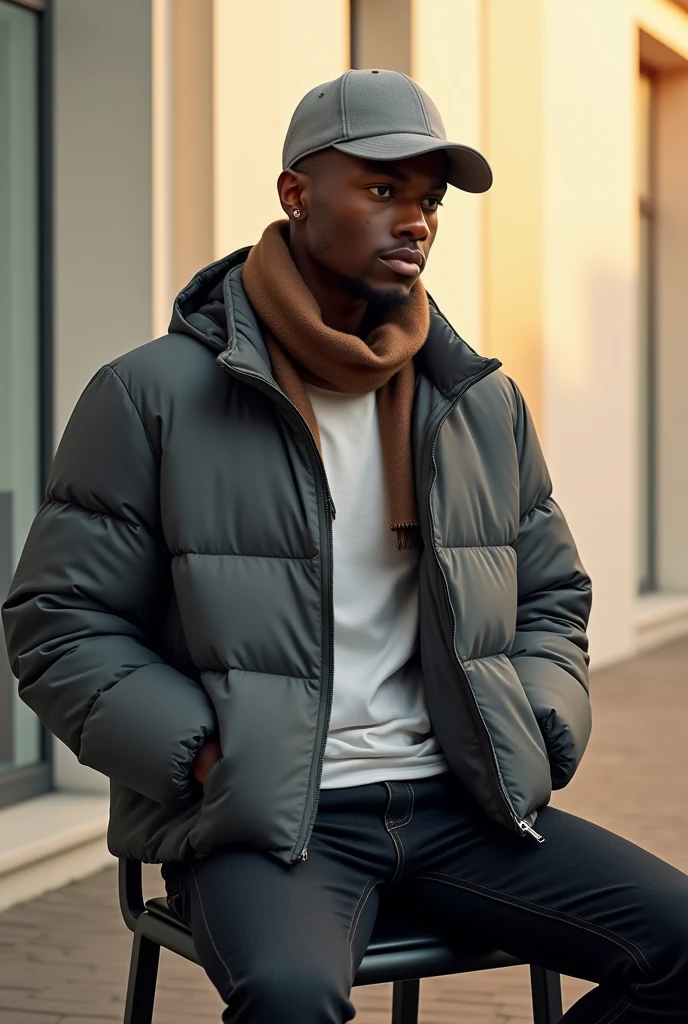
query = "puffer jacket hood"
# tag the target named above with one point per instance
(199, 309)
(177, 583)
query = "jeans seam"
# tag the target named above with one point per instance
(356, 916)
(401, 853)
(407, 819)
(557, 915)
(391, 827)
(389, 824)
(207, 928)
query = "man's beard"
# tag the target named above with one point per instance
(378, 298)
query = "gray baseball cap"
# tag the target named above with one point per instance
(379, 115)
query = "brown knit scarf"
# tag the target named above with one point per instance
(302, 348)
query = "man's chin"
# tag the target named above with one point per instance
(377, 295)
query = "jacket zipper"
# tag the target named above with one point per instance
(522, 827)
(265, 386)
(303, 855)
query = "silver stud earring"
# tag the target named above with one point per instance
(297, 213)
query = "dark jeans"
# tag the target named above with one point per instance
(282, 944)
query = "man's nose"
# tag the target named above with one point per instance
(412, 225)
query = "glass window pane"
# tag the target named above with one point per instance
(19, 346)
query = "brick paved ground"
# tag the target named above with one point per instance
(64, 956)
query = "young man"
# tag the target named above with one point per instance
(300, 589)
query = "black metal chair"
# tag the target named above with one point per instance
(399, 954)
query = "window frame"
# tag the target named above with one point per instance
(27, 781)
(647, 211)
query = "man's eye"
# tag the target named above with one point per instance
(434, 202)
(379, 191)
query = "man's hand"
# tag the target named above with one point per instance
(208, 755)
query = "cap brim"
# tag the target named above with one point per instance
(467, 169)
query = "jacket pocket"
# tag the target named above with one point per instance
(213, 826)
(257, 795)
(561, 706)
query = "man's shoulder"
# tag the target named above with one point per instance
(498, 394)
(172, 365)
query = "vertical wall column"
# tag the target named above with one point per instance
(402, 35)
(381, 33)
(446, 60)
(182, 146)
(192, 144)
(513, 267)
(266, 56)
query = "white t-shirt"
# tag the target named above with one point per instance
(379, 728)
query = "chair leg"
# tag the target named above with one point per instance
(405, 996)
(546, 989)
(143, 975)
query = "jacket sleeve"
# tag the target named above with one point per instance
(90, 581)
(550, 648)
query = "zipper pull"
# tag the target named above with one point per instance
(304, 854)
(526, 829)
(333, 510)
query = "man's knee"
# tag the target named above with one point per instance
(291, 994)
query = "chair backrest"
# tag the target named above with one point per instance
(130, 888)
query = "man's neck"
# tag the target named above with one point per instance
(338, 309)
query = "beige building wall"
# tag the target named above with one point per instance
(561, 262)
(267, 54)
(560, 265)
(590, 267)
(446, 60)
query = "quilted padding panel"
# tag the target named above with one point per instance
(250, 612)
(476, 493)
(234, 477)
(513, 727)
(481, 578)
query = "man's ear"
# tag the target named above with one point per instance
(290, 187)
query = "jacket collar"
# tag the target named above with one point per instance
(445, 358)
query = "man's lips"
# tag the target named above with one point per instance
(408, 262)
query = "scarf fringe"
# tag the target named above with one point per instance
(409, 537)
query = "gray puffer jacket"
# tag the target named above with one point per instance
(177, 581)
